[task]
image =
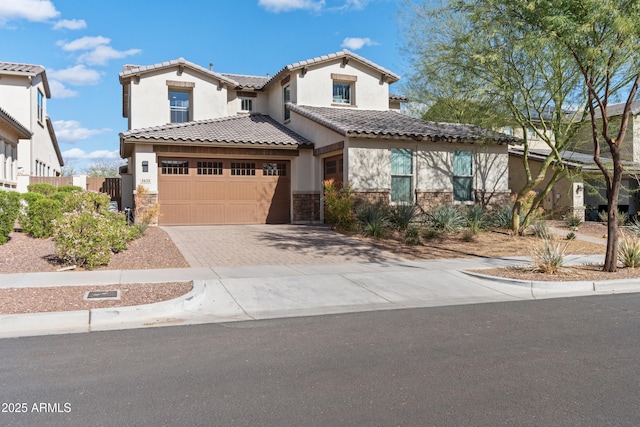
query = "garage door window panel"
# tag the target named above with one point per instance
(243, 169)
(274, 169)
(174, 167)
(209, 168)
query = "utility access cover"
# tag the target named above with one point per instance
(102, 295)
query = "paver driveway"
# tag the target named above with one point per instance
(228, 245)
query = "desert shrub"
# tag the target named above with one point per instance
(540, 229)
(634, 226)
(574, 221)
(447, 218)
(144, 214)
(69, 188)
(629, 251)
(402, 215)
(501, 217)
(86, 201)
(9, 209)
(339, 205)
(469, 235)
(373, 219)
(88, 238)
(39, 216)
(623, 217)
(412, 236)
(571, 236)
(43, 188)
(31, 197)
(61, 197)
(429, 233)
(548, 255)
(476, 218)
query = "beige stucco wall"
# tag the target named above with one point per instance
(234, 103)
(369, 165)
(149, 180)
(149, 99)
(306, 173)
(316, 87)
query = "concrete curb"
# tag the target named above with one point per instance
(63, 322)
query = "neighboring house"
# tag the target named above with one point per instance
(11, 132)
(214, 148)
(24, 92)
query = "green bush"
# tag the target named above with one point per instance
(69, 188)
(42, 188)
(629, 251)
(31, 197)
(574, 221)
(61, 197)
(86, 201)
(412, 236)
(502, 216)
(9, 209)
(402, 215)
(447, 218)
(39, 217)
(118, 232)
(338, 205)
(80, 240)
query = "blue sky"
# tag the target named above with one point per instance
(83, 45)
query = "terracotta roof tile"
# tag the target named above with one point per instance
(390, 124)
(129, 70)
(246, 129)
(29, 69)
(253, 82)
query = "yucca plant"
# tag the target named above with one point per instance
(540, 229)
(548, 255)
(402, 215)
(629, 251)
(446, 218)
(501, 217)
(573, 221)
(476, 218)
(412, 236)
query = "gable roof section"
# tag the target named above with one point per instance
(346, 54)
(29, 70)
(54, 141)
(6, 118)
(129, 71)
(252, 129)
(391, 124)
(247, 82)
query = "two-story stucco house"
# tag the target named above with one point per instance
(214, 148)
(24, 92)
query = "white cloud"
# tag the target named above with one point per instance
(78, 75)
(83, 43)
(356, 4)
(59, 90)
(277, 6)
(71, 131)
(355, 43)
(78, 154)
(31, 10)
(70, 24)
(103, 54)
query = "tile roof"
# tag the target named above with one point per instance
(28, 69)
(574, 159)
(252, 129)
(129, 70)
(330, 57)
(617, 109)
(396, 97)
(253, 82)
(391, 124)
(19, 127)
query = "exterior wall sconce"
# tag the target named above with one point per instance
(579, 188)
(145, 166)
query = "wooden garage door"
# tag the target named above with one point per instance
(223, 191)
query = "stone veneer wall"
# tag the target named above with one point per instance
(306, 207)
(493, 198)
(145, 201)
(374, 197)
(432, 199)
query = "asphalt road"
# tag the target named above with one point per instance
(561, 362)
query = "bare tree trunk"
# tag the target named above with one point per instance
(611, 256)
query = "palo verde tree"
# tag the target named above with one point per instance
(602, 38)
(471, 64)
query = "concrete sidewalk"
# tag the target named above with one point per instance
(223, 294)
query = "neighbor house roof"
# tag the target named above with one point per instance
(617, 109)
(391, 124)
(573, 159)
(30, 70)
(252, 129)
(345, 55)
(398, 98)
(7, 119)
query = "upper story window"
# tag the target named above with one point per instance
(246, 104)
(286, 96)
(462, 176)
(179, 106)
(344, 86)
(531, 133)
(507, 130)
(40, 106)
